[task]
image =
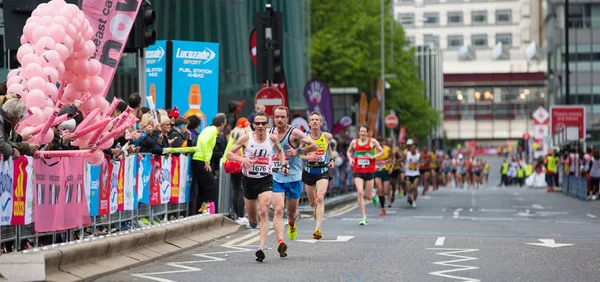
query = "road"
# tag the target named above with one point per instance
(488, 234)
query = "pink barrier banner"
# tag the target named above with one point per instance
(60, 197)
(22, 191)
(113, 21)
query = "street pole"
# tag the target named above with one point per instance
(567, 72)
(382, 69)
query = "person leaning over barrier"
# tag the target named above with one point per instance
(11, 143)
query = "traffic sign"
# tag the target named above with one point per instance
(391, 121)
(270, 98)
(563, 116)
(540, 115)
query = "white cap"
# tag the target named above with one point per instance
(460, 156)
(410, 142)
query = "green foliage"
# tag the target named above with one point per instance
(345, 52)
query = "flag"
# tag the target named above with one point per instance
(363, 108)
(318, 98)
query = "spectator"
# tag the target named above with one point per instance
(219, 146)
(173, 114)
(593, 167)
(121, 107)
(242, 128)
(257, 108)
(135, 102)
(193, 124)
(202, 177)
(179, 135)
(10, 142)
(147, 138)
(232, 118)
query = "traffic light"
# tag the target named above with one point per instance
(142, 34)
(269, 46)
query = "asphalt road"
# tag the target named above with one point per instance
(488, 234)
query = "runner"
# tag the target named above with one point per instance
(257, 180)
(425, 169)
(434, 167)
(383, 165)
(460, 171)
(316, 172)
(361, 155)
(395, 171)
(412, 174)
(295, 143)
(447, 171)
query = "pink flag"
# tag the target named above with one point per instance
(60, 201)
(113, 23)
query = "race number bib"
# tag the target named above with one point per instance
(260, 165)
(363, 162)
(276, 162)
(412, 165)
(380, 165)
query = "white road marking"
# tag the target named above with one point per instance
(519, 199)
(549, 243)
(497, 210)
(591, 215)
(456, 211)
(443, 210)
(536, 206)
(255, 239)
(452, 263)
(516, 194)
(471, 210)
(235, 241)
(473, 198)
(338, 239)
(440, 241)
(343, 210)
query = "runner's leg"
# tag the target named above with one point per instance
(415, 191)
(386, 191)
(321, 190)
(278, 205)
(359, 183)
(252, 209)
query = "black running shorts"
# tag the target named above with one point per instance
(365, 176)
(252, 187)
(311, 179)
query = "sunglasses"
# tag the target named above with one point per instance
(261, 123)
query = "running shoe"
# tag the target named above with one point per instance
(317, 234)
(292, 231)
(382, 213)
(363, 221)
(375, 201)
(260, 255)
(389, 205)
(414, 204)
(281, 248)
(409, 200)
(401, 193)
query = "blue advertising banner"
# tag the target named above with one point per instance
(156, 75)
(196, 72)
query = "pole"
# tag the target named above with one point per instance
(567, 72)
(142, 75)
(382, 68)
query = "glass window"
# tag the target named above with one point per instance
(455, 18)
(479, 17)
(479, 40)
(432, 19)
(455, 41)
(505, 38)
(406, 19)
(429, 39)
(503, 16)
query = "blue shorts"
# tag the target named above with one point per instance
(292, 190)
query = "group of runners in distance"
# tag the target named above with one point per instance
(277, 161)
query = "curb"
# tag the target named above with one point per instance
(330, 203)
(93, 258)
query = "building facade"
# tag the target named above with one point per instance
(584, 59)
(430, 62)
(492, 64)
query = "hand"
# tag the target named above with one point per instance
(369, 156)
(207, 166)
(86, 147)
(115, 151)
(26, 136)
(351, 161)
(171, 140)
(67, 138)
(313, 157)
(331, 164)
(292, 152)
(285, 171)
(391, 171)
(246, 163)
(34, 147)
(16, 153)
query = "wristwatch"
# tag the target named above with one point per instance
(285, 166)
(299, 151)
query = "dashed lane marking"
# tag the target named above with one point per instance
(591, 215)
(440, 241)
(456, 212)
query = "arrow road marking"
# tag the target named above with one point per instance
(440, 241)
(456, 211)
(339, 239)
(451, 263)
(549, 243)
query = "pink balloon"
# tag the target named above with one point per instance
(79, 44)
(77, 23)
(23, 40)
(62, 21)
(71, 30)
(44, 44)
(70, 63)
(48, 111)
(82, 67)
(32, 70)
(95, 158)
(96, 85)
(62, 50)
(50, 74)
(32, 19)
(61, 69)
(46, 20)
(57, 32)
(88, 33)
(68, 42)
(101, 102)
(69, 76)
(36, 98)
(51, 91)
(65, 12)
(49, 103)
(70, 95)
(107, 144)
(39, 32)
(49, 137)
(81, 83)
(24, 130)
(57, 3)
(18, 89)
(16, 80)
(88, 49)
(30, 59)
(24, 50)
(14, 72)
(36, 83)
(88, 106)
(36, 118)
(50, 58)
(95, 67)
(29, 29)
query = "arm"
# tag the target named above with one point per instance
(309, 144)
(350, 153)
(280, 154)
(241, 143)
(6, 148)
(393, 161)
(378, 149)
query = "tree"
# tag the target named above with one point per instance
(345, 52)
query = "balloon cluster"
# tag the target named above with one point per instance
(56, 49)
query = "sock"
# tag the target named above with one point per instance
(291, 223)
(279, 241)
(382, 201)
